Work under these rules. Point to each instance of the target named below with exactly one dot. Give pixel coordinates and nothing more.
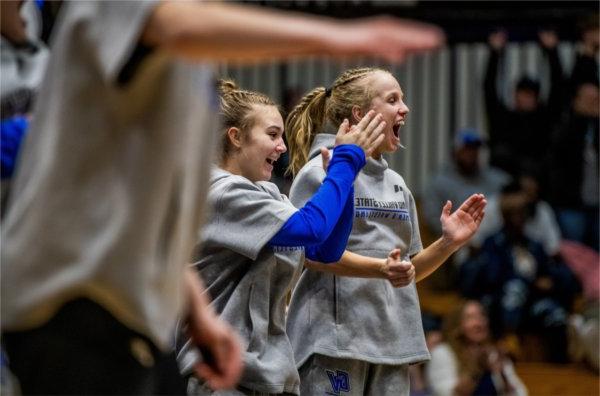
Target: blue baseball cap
(467, 138)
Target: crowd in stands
(533, 266)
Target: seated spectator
(540, 226)
(466, 176)
(584, 327)
(456, 182)
(514, 278)
(468, 362)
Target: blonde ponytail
(307, 119)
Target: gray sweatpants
(324, 375)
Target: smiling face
(262, 145)
(474, 323)
(388, 100)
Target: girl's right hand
(366, 134)
(398, 273)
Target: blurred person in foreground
(468, 362)
(112, 182)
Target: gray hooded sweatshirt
(249, 280)
(357, 318)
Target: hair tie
(327, 92)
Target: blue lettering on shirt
(376, 213)
(283, 249)
(340, 381)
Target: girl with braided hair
(351, 331)
(255, 240)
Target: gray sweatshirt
(249, 280)
(355, 318)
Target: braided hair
(307, 118)
(236, 110)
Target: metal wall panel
(443, 91)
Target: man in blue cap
(457, 181)
(464, 177)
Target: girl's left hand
(460, 226)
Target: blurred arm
(231, 32)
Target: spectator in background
(512, 276)
(520, 136)
(540, 226)
(585, 68)
(464, 177)
(23, 62)
(584, 326)
(468, 362)
(456, 182)
(24, 57)
(574, 167)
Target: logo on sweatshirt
(398, 188)
(340, 381)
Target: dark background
(463, 21)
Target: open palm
(460, 226)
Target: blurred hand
(494, 360)
(366, 134)
(548, 39)
(221, 366)
(390, 38)
(399, 273)
(460, 226)
(497, 40)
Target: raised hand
(399, 273)
(366, 134)
(460, 226)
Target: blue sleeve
(13, 131)
(314, 222)
(332, 249)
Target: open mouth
(271, 161)
(396, 129)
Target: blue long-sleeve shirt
(324, 223)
